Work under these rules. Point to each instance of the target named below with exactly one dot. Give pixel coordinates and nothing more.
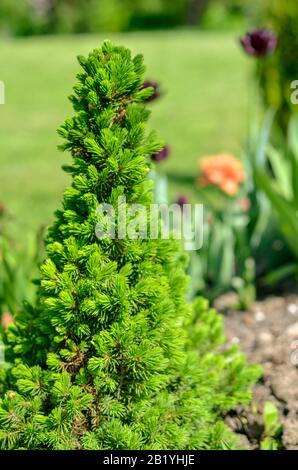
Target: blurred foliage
(18, 263)
(271, 439)
(250, 239)
(224, 262)
(277, 177)
(277, 72)
(267, 242)
(226, 14)
(29, 17)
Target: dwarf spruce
(111, 356)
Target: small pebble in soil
(292, 331)
(259, 316)
(265, 338)
(292, 309)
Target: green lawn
(204, 109)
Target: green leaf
(281, 273)
(281, 171)
(271, 419)
(286, 210)
(269, 444)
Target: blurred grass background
(203, 110)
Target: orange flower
(6, 319)
(222, 170)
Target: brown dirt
(268, 334)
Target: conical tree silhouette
(111, 355)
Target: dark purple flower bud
(155, 86)
(259, 43)
(182, 200)
(161, 155)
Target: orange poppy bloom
(222, 170)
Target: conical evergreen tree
(112, 356)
